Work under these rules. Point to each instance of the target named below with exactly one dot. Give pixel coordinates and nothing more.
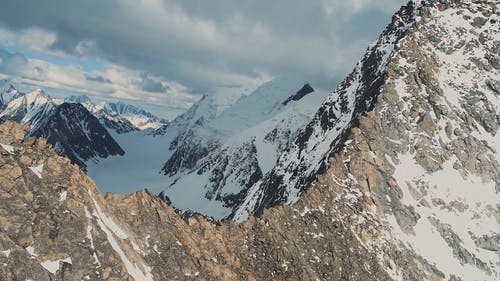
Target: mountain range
(206, 159)
(394, 175)
(76, 127)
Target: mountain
(206, 159)
(8, 94)
(121, 117)
(76, 133)
(411, 135)
(70, 128)
(56, 225)
(30, 109)
(215, 162)
(147, 151)
(82, 99)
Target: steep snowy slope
(193, 139)
(237, 147)
(212, 153)
(147, 151)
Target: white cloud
(35, 39)
(114, 82)
(179, 46)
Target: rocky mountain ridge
(56, 225)
(426, 158)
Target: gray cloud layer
(202, 44)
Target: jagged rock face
(424, 157)
(306, 89)
(51, 218)
(76, 133)
(57, 226)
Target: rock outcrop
(55, 225)
(413, 131)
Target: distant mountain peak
(40, 91)
(76, 133)
(7, 95)
(68, 126)
(77, 99)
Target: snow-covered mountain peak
(70, 127)
(30, 109)
(223, 97)
(8, 94)
(123, 113)
(219, 156)
(120, 116)
(76, 133)
(11, 88)
(37, 97)
(266, 101)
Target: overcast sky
(164, 54)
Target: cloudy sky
(164, 54)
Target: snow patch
(449, 187)
(110, 229)
(63, 195)
(108, 222)
(53, 266)
(31, 251)
(10, 149)
(37, 170)
(6, 253)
